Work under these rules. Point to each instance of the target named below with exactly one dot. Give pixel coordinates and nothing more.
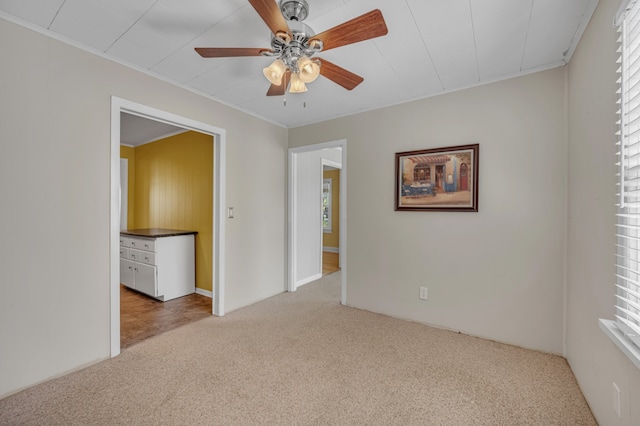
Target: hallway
(330, 263)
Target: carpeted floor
(303, 359)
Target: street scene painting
(444, 179)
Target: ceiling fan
(294, 45)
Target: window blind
(627, 275)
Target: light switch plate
(424, 293)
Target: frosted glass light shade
(275, 71)
(309, 70)
(297, 85)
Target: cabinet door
(127, 273)
(146, 279)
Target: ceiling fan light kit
(275, 71)
(309, 69)
(293, 51)
(297, 85)
(294, 43)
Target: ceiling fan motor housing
(294, 10)
(290, 50)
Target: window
(627, 250)
(326, 205)
(422, 173)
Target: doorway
(331, 172)
(464, 177)
(305, 229)
(439, 177)
(119, 106)
(170, 188)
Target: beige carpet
(303, 359)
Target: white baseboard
(308, 280)
(204, 292)
(331, 249)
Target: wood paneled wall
(174, 189)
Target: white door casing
(119, 105)
(124, 192)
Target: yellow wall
(174, 189)
(129, 153)
(333, 239)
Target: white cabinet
(162, 267)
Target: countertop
(156, 232)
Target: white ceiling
(136, 131)
(433, 46)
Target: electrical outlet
(424, 293)
(616, 399)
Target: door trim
(124, 192)
(119, 105)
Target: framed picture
(444, 179)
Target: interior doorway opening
(331, 174)
(170, 190)
(305, 212)
(119, 106)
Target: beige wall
(498, 273)
(596, 362)
(54, 180)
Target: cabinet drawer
(147, 257)
(148, 245)
(142, 244)
(124, 253)
(124, 241)
(134, 255)
(133, 243)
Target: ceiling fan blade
(228, 52)
(279, 90)
(364, 27)
(339, 75)
(271, 15)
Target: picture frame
(438, 179)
